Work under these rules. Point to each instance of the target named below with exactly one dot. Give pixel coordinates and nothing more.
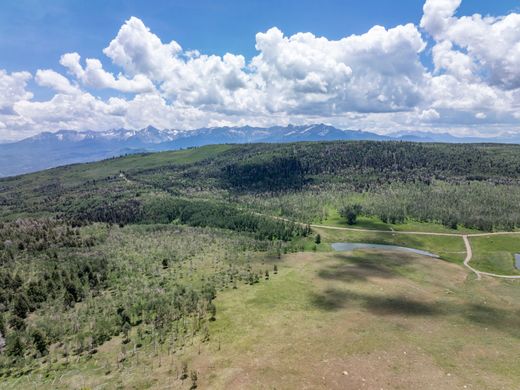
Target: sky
(377, 65)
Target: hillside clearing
(326, 314)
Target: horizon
(441, 67)
(395, 134)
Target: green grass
(75, 174)
(364, 222)
(322, 314)
(448, 248)
(495, 253)
(31, 192)
(327, 313)
(308, 244)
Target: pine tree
(194, 378)
(184, 371)
(15, 346)
(212, 311)
(39, 341)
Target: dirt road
(467, 244)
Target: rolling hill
(213, 267)
(51, 149)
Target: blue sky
(211, 26)
(410, 76)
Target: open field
(492, 253)
(367, 319)
(364, 222)
(450, 248)
(358, 321)
(495, 253)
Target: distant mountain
(63, 147)
(412, 136)
(276, 134)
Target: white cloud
(438, 15)
(56, 81)
(137, 50)
(375, 81)
(378, 71)
(93, 75)
(453, 62)
(12, 89)
(429, 115)
(493, 43)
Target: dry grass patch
(364, 320)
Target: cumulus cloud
(12, 89)
(378, 71)
(137, 50)
(54, 80)
(453, 62)
(438, 15)
(476, 62)
(488, 46)
(429, 115)
(376, 81)
(93, 75)
(187, 77)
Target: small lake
(517, 260)
(350, 246)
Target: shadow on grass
(369, 223)
(506, 321)
(331, 299)
(494, 317)
(353, 272)
(351, 268)
(335, 299)
(398, 305)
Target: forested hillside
(138, 247)
(470, 185)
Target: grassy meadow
(374, 319)
(495, 253)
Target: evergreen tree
(194, 378)
(14, 346)
(350, 213)
(39, 341)
(184, 370)
(212, 311)
(21, 305)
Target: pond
(350, 246)
(517, 260)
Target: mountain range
(51, 149)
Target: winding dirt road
(469, 255)
(465, 238)
(469, 252)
